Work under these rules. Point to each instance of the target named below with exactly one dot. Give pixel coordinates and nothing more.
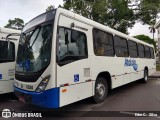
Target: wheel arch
(146, 68)
(107, 76)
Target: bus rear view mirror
(12, 34)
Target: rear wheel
(101, 90)
(145, 78)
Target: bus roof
(5, 31)
(8, 30)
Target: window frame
(151, 48)
(14, 54)
(126, 44)
(103, 43)
(149, 52)
(132, 49)
(57, 46)
(143, 49)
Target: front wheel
(101, 90)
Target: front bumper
(47, 99)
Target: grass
(158, 67)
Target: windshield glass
(34, 50)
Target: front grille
(27, 78)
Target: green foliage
(113, 13)
(118, 14)
(88, 8)
(158, 67)
(17, 23)
(147, 11)
(146, 39)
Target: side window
(103, 43)
(152, 53)
(72, 46)
(120, 46)
(147, 52)
(5, 55)
(141, 51)
(132, 49)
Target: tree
(118, 14)
(17, 23)
(113, 13)
(146, 39)
(146, 11)
(152, 30)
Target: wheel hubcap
(100, 90)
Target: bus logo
(76, 77)
(131, 63)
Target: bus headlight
(41, 87)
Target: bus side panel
(151, 66)
(6, 86)
(141, 62)
(134, 72)
(73, 93)
(113, 65)
(6, 77)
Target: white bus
(64, 57)
(8, 52)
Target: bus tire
(145, 78)
(101, 90)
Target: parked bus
(64, 57)
(8, 51)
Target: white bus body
(7, 62)
(80, 63)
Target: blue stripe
(47, 99)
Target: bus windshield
(34, 50)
